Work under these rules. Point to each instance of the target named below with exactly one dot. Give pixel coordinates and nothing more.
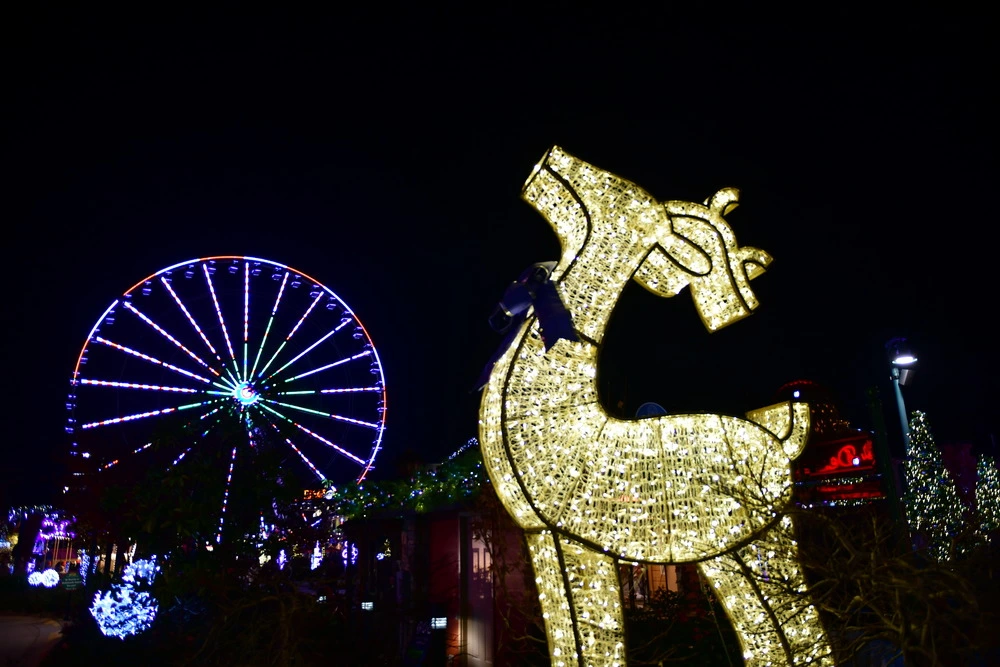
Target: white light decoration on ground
(316, 558)
(125, 610)
(47, 578)
(50, 578)
(122, 611)
(386, 551)
(349, 552)
(590, 489)
(84, 565)
(141, 571)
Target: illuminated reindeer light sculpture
(590, 489)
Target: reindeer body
(589, 488)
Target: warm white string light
(590, 489)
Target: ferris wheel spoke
(232, 378)
(290, 334)
(225, 497)
(166, 335)
(328, 415)
(115, 462)
(211, 425)
(309, 464)
(359, 355)
(181, 457)
(153, 360)
(146, 415)
(218, 311)
(326, 442)
(348, 390)
(209, 414)
(267, 329)
(310, 349)
(318, 437)
(375, 389)
(112, 464)
(246, 316)
(230, 386)
(133, 385)
(190, 318)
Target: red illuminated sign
(839, 470)
(849, 458)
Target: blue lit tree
(933, 507)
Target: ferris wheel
(235, 344)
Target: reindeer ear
(755, 261)
(724, 201)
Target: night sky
(383, 152)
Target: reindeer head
(698, 248)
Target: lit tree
(933, 507)
(987, 494)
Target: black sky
(383, 153)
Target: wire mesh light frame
(591, 490)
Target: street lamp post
(902, 361)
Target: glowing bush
(124, 610)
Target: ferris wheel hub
(245, 394)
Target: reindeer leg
(581, 601)
(763, 591)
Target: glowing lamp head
(246, 394)
(900, 353)
(902, 359)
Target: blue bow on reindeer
(532, 289)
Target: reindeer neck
(595, 281)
